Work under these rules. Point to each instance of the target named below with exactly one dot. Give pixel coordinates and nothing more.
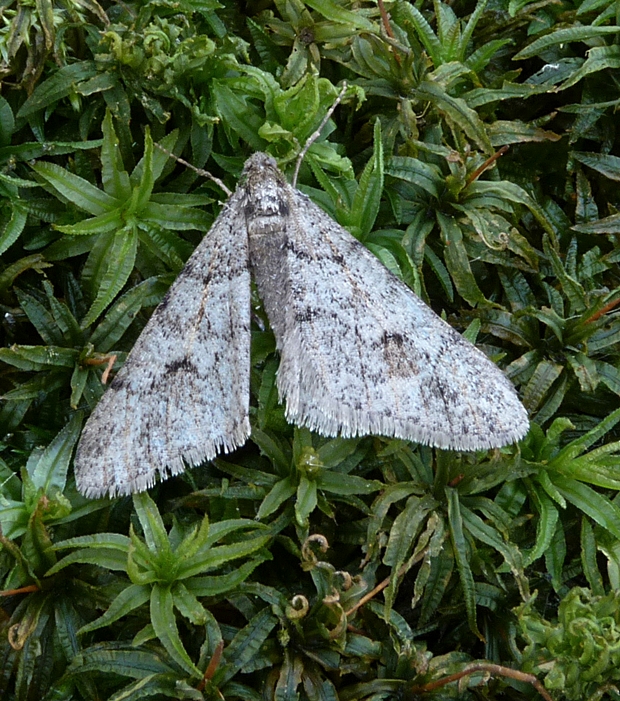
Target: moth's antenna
(200, 171)
(313, 137)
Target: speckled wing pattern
(360, 352)
(182, 395)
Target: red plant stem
(489, 162)
(213, 665)
(385, 19)
(485, 667)
(21, 590)
(604, 310)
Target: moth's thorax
(266, 201)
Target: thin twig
(495, 669)
(489, 162)
(22, 590)
(106, 372)
(199, 171)
(371, 594)
(601, 312)
(385, 19)
(313, 137)
(382, 585)
(109, 359)
(390, 37)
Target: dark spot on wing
(399, 354)
(446, 393)
(290, 245)
(391, 338)
(302, 254)
(307, 314)
(183, 365)
(118, 383)
(197, 270)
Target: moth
(360, 353)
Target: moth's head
(259, 167)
